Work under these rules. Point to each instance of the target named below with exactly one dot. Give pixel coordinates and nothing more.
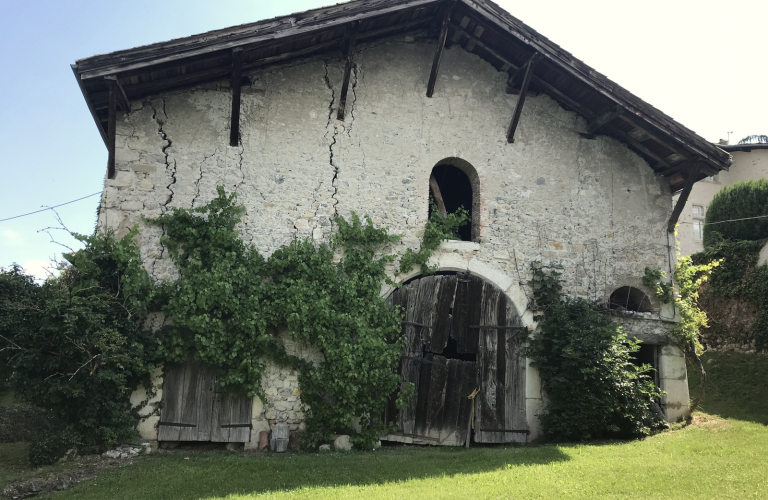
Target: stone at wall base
(324, 448)
(341, 443)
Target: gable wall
(591, 205)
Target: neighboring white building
(750, 162)
(556, 162)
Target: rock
(377, 445)
(324, 448)
(341, 443)
(111, 454)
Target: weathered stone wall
(592, 206)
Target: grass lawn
(714, 458)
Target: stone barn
(376, 107)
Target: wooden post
(521, 98)
(683, 198)
(439, 48)
(347, 52)
(237, 75)
(111, 126)
(122, 97)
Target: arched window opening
(629, 298)
(453, 184)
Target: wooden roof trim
(496, 15)
(151, 55)
(90, 105)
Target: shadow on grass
(737, 387)
(200, 476)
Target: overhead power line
(49, 208)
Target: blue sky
(699, 61)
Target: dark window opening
(648, 355)
(629, 298)
(456, 191)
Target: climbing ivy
(438, 228)
(593, 389)
(229, 302)
(689, 278)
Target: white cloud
(40, 269)
(12, 237)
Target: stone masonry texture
(592, 206)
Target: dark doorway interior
(457, 192)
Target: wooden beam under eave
(677, 168)
(122, 97)
(521, 99)
(683, 199)
(111, 129)
(439, 49)
(348, 51)
(237, 77)
(596, 124)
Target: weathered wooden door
(449, 352)
(194, 409)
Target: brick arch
(474, 182)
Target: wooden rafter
(111, 129)
(237, 79)
(521, 98)
(681, 201)
(677, 168)
(439, 49)
(348, 51)
(607, 117)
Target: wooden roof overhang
(479, 26)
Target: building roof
(743, 147)
(479, 26)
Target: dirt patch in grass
(709, 422)
(77, 470)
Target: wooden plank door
(500, 404)
(187, 402)
(439, 412)
(231, 419)
(193, 410)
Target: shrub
(75, 345)
(593, 389)
(743, 200)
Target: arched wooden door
(461, 333)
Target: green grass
(737, 387)
(722, 459)
(713, 458)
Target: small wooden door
(448, 353)
(194, 409)
(500, 404)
